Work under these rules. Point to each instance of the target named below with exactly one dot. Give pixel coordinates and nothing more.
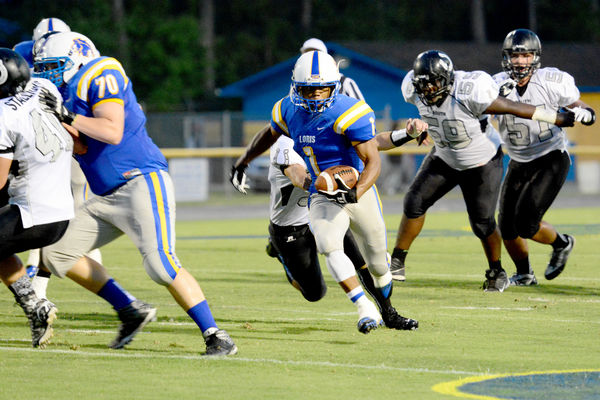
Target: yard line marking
(327, 364)
(490, 308)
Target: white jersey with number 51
(455, 125)
(524, 139)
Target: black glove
(237, 177)
(343, 195)
(50, 103)
(565, 118)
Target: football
(326, 182)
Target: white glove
(583, 115)
(506, 86)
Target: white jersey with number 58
(526, 140)
(35, 139)
(455, 125)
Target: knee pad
(339, 265)
(527, 228)
(413, 205)
(315, 293)
(483, 228)
(57, 262)
(159, 272)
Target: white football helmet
(315, 68)
(49, 25)
(61, 55)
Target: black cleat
(559, 258)
(220, 344)
(393, 320)
(133, 318)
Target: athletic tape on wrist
(541, 114)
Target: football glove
(586, 116)
(238, 178)
(343, 194)
(506, 86)
(50, 103)
(565, 118)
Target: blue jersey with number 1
(108, 166)
(326, 139)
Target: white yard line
(326, 364)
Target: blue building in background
(379, 82)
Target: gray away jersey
(288, 203)
(524, 139)
(41, 187)
(454, 126)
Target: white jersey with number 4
(455, 125)
(41, 187)
(526, 140)
(288, 202)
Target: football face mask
(314, 72)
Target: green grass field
(292, 349)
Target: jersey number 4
(50, 136)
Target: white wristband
(398, 136)
(541, 114)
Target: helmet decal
(81, 47)
(315, 65)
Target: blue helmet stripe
(50, 27)
(315, 64)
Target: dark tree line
(177, 52)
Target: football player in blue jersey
(331, 129)
(134, 192)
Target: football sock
(356, 295)
(115, 295)
(523, 266)
(202, 316)
(400, 254)
(560, 242)
(495, 264)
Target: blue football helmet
(315, 69)
(58, 57)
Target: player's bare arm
(298, 175)
(260, 143)
(415, 129)
(504, 106)
(106, 125)
(369, 154)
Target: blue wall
(379, 82)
